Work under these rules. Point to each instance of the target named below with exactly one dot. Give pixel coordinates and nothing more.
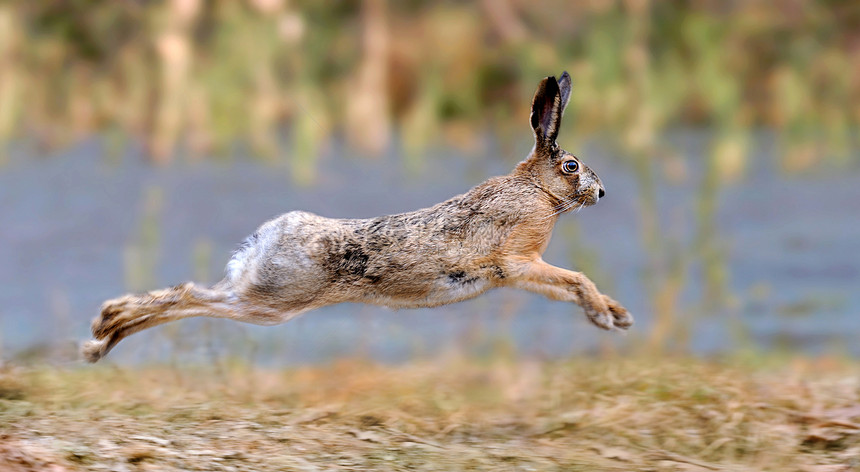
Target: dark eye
(570, 167)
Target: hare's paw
(609, 314)
(94, 350)
(621, 318)
(602, 318)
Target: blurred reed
(142, 254)
(201, 76)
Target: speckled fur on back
(491, 236)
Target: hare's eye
(570, 167)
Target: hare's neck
(546, 194)
(527, 170)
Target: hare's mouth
(576, 203)
(589, 198)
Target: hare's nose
(601, 193)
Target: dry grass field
(584, 414)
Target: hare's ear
(564, 89)
(547, 107)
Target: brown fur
(491, 236)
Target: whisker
(563, 207)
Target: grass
(583, 414)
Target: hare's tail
(126, 315)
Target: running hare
(491, 236)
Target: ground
(586, 414)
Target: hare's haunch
(491, 236)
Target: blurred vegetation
(606, 414)
(195, 76)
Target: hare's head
(560, 173)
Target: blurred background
(141, 141)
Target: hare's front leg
(566, 285)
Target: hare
(491, 236)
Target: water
(791, 245)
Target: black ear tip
(551, 85)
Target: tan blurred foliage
(201, 76)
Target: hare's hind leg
(566, 285)
(129, 314)
(126, 315)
